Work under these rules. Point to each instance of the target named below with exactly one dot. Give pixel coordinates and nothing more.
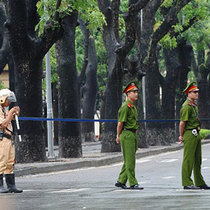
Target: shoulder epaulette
(130, 105)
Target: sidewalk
(92, 157)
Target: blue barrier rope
(90, 120)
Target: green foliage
(1, 85)
(80, 49)
(124, 5)
(198, 33)
(46, 11)
(191, 76)
(167, 3)
(102, 62)
(161, 62)
(102, 77)
(88, 11)
(168, 42)
(204, 133)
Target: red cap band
(129, 88)
(191, 88)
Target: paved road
(93, 188)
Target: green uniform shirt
(189, 114)
(128, 115)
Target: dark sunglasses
(195, 91)
(134, 91)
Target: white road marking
(30, 190)
(126, 190)
(188, 190)
(143, 160)
(205, 167)
(140, 183)
(204, 159)
(168, 177)
(168, 160)
(70, 190)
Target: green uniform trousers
(129, 145)
(192, 160)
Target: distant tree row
(96, 47)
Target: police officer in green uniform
(189, 128)
(127, 136)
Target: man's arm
(119, 130)
(182, 125)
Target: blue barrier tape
(90, 120)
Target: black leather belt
(7, 136)
(130, 129)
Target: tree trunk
(68, 91)
(153, 135)
(208, 89)
(28, 51)
(152, 73)
(116, 55)
(185, 56)
(90, 88)
(28, 70)
(89, 99)
(203, 89)
(33, 145)
(169, 93)
(203, 99)
(112, 103)
(150, 62)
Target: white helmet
(6, 94)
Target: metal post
(143, 79)
(49, 108)
(144, 97)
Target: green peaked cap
(189, 85)
(129, 84)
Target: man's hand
(180, 139)
(15, 110)
(118, 139)
(182, 125)
(119, 130)
(11, 116)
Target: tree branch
(56, 16)
(136, 7)
(130, 24)
(167, 24)
(16, 24)
(170, 20)
(4, 51)
(185, 28)
(115, 5)
(52, 32)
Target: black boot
(2, 189)
(10, 180)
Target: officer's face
(193, 94)
(133, 94)
(7, 103)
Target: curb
(47, 167)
